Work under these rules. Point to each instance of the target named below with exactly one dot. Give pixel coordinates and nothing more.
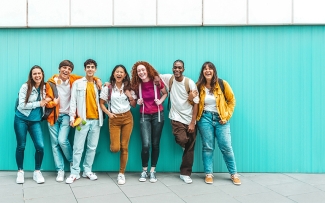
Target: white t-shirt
(181, 110)
(209, 101)
(64, 92)
(119, 102)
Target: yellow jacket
(225, 106)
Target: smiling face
(178, 69)
(142, 73)
(64, 72)
(208, 73)
(90, 70)
(37, 76)
(119, 75)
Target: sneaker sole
(184, 180)
(142, 180)
(20, 182)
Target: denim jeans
(34, 128)
(150, 130)
(59, 133)
(89, 131)
(210, 129)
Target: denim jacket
(32, 100)
(78, 101)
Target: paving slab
(265, 197)
(158, 198)
(313, 197)
(288, 189)
(67, 198)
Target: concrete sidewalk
(256, 187)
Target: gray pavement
(256, 187)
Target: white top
(119, 102)
(64, 92)
(181, 110)
(209, 101)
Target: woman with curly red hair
(150, 97)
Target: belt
(212, 112)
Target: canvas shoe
(208, 178)
(90, 175)
(143, 176)
(60, 176)
(153, 178)
(235, 179)
(186, 179)
(20, 177)
(72, 178)
(38, 177)
(121, 179)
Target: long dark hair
(31, 83)
(202, 81)
(126, 80)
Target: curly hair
(202, 81)
(136, 80)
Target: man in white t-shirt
(183, 116)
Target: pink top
(148, 96)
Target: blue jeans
(59, 133)
(150, 130)
(34, 128)
(90, 131)
(210, 128)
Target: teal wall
(276, 73)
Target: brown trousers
(120, 129)
(187, 141)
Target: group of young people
(81, 101)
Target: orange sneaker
(235, 179)
(208, 178)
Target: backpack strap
(222, 87)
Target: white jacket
(78, 100)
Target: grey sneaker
(186, 179)
(153, 178)
(143, 176)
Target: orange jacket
(50, 94)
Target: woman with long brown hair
(150, 98)
(28, 117)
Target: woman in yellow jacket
(215, 110)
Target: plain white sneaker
(121, 179)
(186, 179)
(20, 177)
(90, 175)
(60, 177)
(38, 177)
(72, 178)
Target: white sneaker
(38, 177)
(72, 178)
(60, 177)
(90, 175)
(186, 179)
(121, 179)
(20, 177)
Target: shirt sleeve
(104, 93)
(194, 87)
(165, 79)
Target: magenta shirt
(148, 96)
